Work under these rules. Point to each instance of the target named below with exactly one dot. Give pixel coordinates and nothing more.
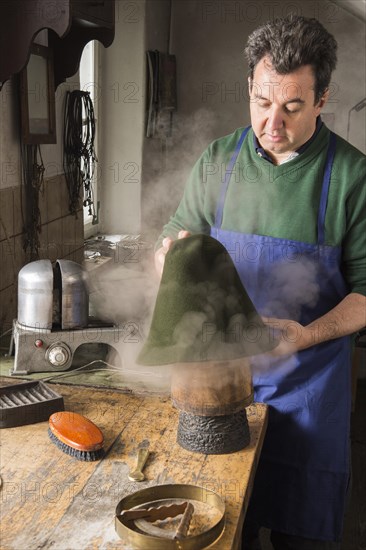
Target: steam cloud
(124, 295)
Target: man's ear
(323, 100)
(250, 84)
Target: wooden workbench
(52, 501)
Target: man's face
(282, 108)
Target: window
(89, 70)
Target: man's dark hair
(291, 42)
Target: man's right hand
(162, 251)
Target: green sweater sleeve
(346, 213)
(354, 243)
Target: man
(289, 207)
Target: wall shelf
(72, 24)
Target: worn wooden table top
(52, 501)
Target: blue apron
(301, 481)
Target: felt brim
(202, 311)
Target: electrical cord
(6, 332)
(10, 250)
(79, 152)
(110, 368)
(33, 179)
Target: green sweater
(281, 201)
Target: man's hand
(161, 253)
(346, 318)
(292, 336)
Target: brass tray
(159, 495)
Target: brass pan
(126, 529)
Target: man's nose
(275, 119)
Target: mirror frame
(27, 136)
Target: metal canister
(35, 294)
(74, 294)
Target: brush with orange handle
(76, 436)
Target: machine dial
(58, 354)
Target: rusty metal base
(213, 435)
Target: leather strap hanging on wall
(161, 94)
(79, 152)
(33, 172)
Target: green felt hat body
(202, 311)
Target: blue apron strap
(325, 188)
(221, 202)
